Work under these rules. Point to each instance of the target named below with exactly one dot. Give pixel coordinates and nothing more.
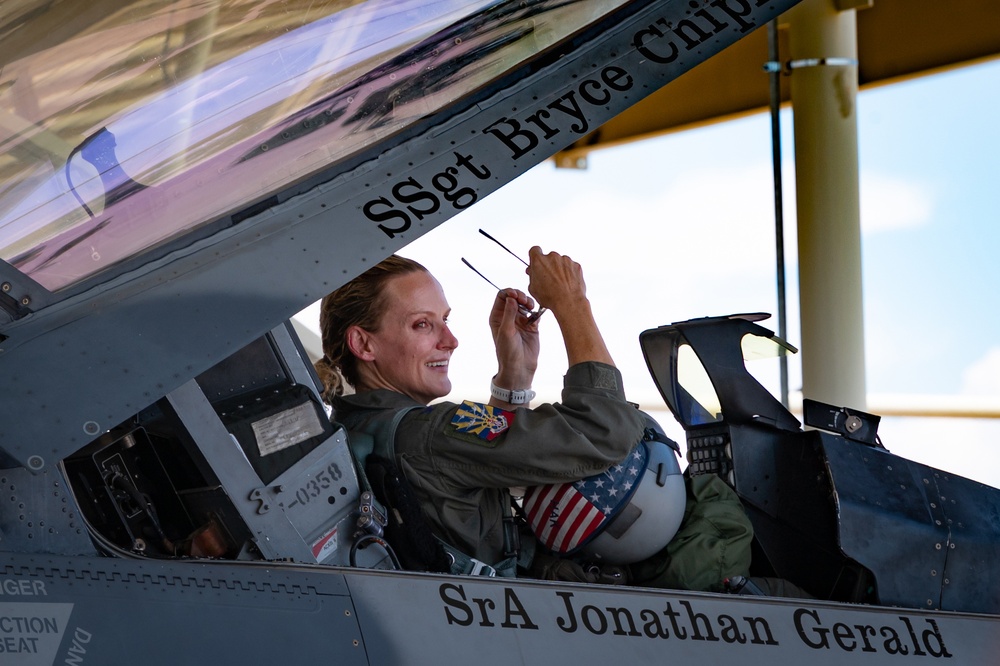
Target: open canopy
(178, 178)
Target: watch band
(516, 397)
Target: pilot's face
(411, 351)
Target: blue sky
(940, 136)
(682, 226)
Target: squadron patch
(480, 423)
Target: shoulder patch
(479, 423)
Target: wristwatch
(516, 397)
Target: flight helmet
(620, 516)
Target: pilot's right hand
(515, 339)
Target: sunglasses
(532, 316)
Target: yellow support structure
(824, 86)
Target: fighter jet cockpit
(178, 178)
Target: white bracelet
(517, 397)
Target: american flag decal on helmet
(566, 516)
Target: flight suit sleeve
(593, 427)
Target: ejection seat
(833, 511)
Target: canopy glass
(137, 123)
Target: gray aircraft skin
(179, 178)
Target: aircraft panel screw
(5, 286)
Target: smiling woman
(386, 334)
(409, 351)
(359, 305)
(388, 330)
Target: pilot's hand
(515, 338)
(556, 280)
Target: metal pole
(779, 217)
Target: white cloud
(717, 221)
(983, 376)
(889, 203)
(950, 444)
